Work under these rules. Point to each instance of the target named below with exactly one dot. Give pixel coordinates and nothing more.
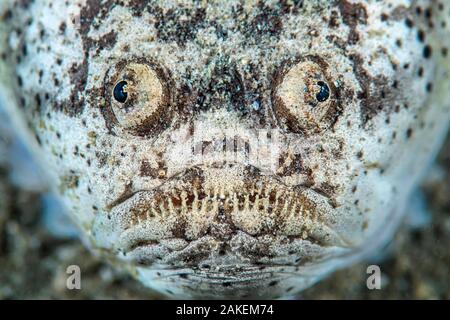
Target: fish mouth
(204, 208)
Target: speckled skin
(294, 187)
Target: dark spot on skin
(328, 191)
(352, 15)
(38, 101)
(420, 72)
(24, 50)
(106, 41)
(409, 23)
(427, 52)
(171, 28)
(375, 94)
(62, 28)
(78, 73)
(294, 167)
(7, 15)
(428, 13)
(421, 35)
(333, 20)
(102, 158)
(395, 84)
(409, 133)
(78, 76)
(268, 21)
(38, 139)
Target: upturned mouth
(217, 203)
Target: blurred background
(33, 262)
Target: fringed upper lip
(184, 208)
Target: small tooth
(285, 207)
(235, 203)
(132, 221)
(266, 204)
(307, 214)
(154, 211)
(247, 202)
(294, 206)
(175, 194)
(215, 194)
(138, 220)
(280, 203)
(256, 203)
(170, 205)
(222, 193)
(268, 190)
(215, 207)
(261, 190)
(304, 235)
(163, 210)
(277, 196)
(203, 209)
(183, 197)
(196, 202)
(316, 216)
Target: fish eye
(120, 93)
(303, 97)
(138, 97)
(324, 92)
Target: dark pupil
(324, 92)
(119, 94)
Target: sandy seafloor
(33, 263)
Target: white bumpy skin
(231, 149)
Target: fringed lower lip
(255, 253)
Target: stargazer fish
(229, 149)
